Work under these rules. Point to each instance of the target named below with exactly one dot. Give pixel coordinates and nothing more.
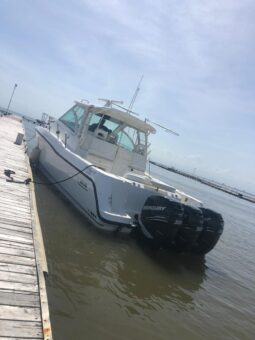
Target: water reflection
(137, 279)
(151, 279)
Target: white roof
(121, 116)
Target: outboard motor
(160, 220)
(167, 223)
(212, 230)
(190, 229)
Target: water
(103, 287)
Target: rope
(8, 173)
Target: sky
(197, 58)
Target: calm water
(103, 287)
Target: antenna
(134, 96)
(110, 102)
(163, 127)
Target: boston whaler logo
(153, 207)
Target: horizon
(196, 58)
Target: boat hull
(118, 205)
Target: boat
(96, 156)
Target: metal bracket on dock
(9, 172)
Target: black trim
(89, 178)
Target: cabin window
(124, 141)
(127, 137)
(118, 133)
(110, 124)
(69, 119)
(73, 117)
(79, 113)
(103, 122)
(132, 140)
(94, 121)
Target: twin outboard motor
(170, 224)
(161, 219)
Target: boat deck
(24, 312)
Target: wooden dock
(24, 312)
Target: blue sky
(197, 58)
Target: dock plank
(15, 233)
(17, 239)
(17, 252)
(15, 245)
(16, 268)
(17, 277)
(14, 328)
(14, 200)
(19, 217)
(10, 207)
(19, 286)
(21, 299)
(13, 222)
(26, 261)
(19, 313)
(27, 230)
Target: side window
(125, 141)
(132, 134)
(132, 140)
(72, 118)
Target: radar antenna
(110, 102)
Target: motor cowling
(190, 229)
(212, 229)
(169, 224)
(160, 219)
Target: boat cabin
(114, 140)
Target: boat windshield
(117, 132)
(72, 118)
